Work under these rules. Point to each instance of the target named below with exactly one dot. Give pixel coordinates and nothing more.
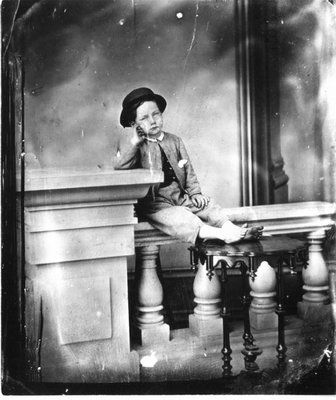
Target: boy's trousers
(176, 215)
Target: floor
(193, 365)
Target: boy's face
(149, 118)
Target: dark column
(263, 178)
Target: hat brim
(125, 113)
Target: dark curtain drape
(12, 145)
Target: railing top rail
(286, 218)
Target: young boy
(176, 206)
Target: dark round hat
(137, 96)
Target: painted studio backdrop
(81, 58)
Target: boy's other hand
(200, 201)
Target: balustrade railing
(312, 220)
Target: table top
(267, 245)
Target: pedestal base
(263, 321)
(205, 327)
(153, 335)
(311, 312)
(78, 365)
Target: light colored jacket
(148, 155)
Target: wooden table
(280, 252)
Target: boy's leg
(217, 225)
(189, 223)
(181, 223)
(212, 214)
(215, 216)
(178, 222)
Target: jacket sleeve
(192, 185)
(128, 158)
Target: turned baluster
(263, 292)
(207, 290)
(315, 281)
(149, 307)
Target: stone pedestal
(79, 231)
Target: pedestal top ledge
(60, 185)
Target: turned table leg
(280, 311)
(226, 351)
(251, 351)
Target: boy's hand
(200, 201)
(138, 135)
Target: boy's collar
(158, 139)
